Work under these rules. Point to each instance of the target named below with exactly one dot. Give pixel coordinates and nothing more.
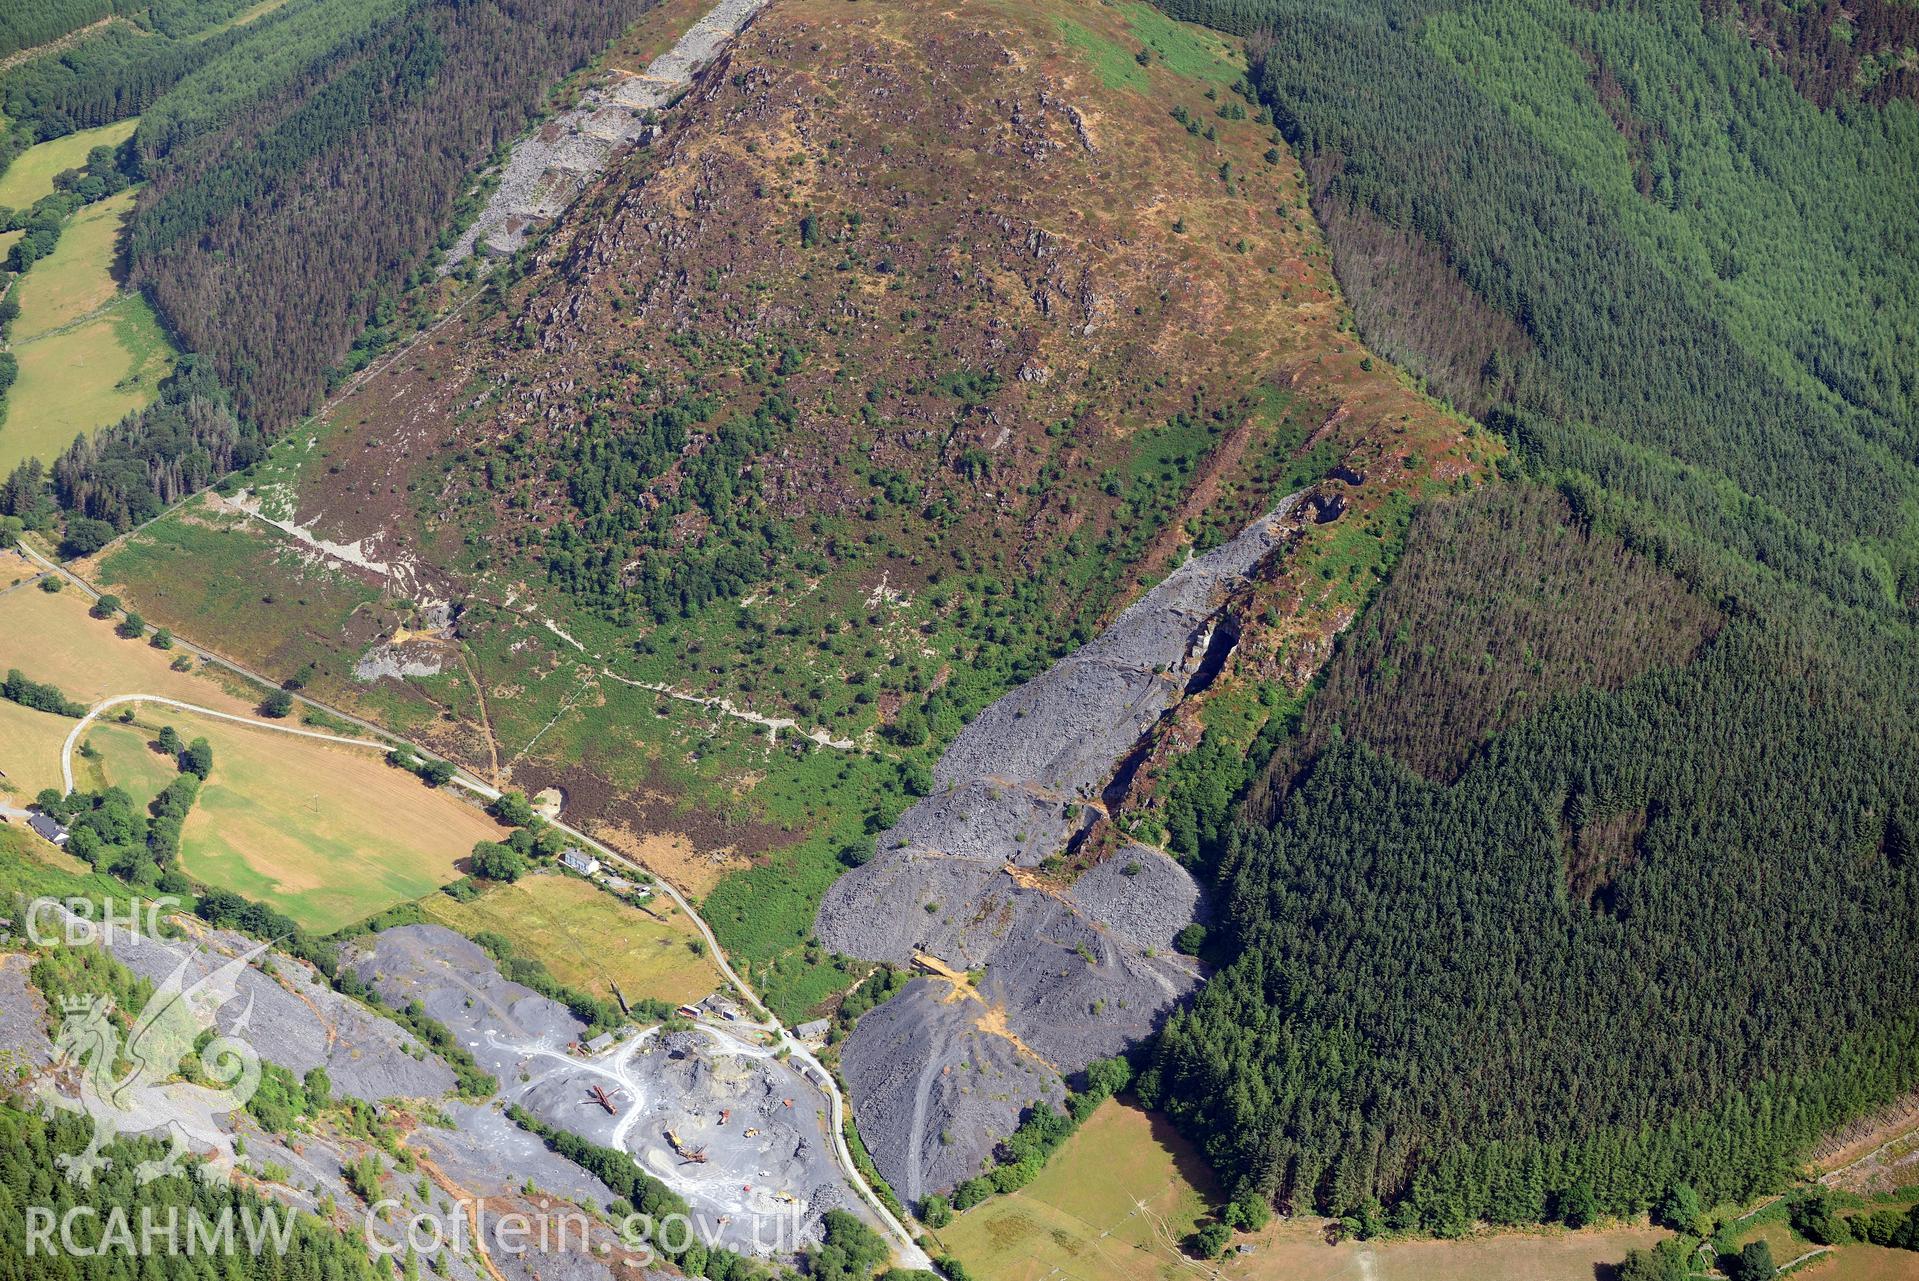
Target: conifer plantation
(1589, 870)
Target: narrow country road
(206, 655)
(910, 1254)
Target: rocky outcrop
(549, 168)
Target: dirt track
(901, 1240)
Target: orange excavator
(688, 1154)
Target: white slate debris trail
(725, 706)
(560, 158)
(1078, 975)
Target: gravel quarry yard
(719, 1116)
(724, 1122)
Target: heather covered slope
(917, 342)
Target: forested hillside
(1654, 936)
(27, 23)
(1586, 178)
(294, 1245)
(1589, 870)
(79, 64)
(254, 236)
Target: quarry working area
(1024, 982)
(718, 1115)
(726, 1123)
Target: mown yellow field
(15, 568)
(30, 177)
(51, 638)
(1298, 1252)
(1117, 1199)
(29, 751)
(587, 938)
(327, 834)
(77, 277)
(1858, 1263)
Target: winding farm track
(910, 1254)
(93, 713)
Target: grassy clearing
(77, 380)
(1186, 50)
(257, 12)
(1118, 1197)
(76, 279)
(1113, 61)
(587, 938)
(30, 177)
(125, 758)
(197, 564)
(763, 914)
(328, 835)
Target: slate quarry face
(1028, 984)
